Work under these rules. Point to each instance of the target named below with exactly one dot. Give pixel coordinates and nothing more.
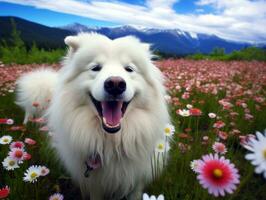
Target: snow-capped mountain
(76, 27)
(170, 41)
(173, 41)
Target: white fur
(36, 87)
(77, 129)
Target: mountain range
(168, 41)
(44, 36)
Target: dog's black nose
(115, 85)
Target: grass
(20, 55)
(249, 53)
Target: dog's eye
(129, 69)
(96, 68)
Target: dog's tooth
(104, 121)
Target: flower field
(217, 143)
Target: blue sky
(239, 20)
(52, 18)
(47, 17)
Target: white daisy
(184, 112)
(10, 121)
(146, 197)
(258, 153)
(169, 130)
(6, 139)
(56, 196)
(162, 146)
(212, 115)
(32, 174)
(189, 106)
(194, 165)
(10, 163)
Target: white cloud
(242, 20)
(246, 18)
(199, 10)
(161, 3)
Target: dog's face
(110, 73)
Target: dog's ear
(72, 42)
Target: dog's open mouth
(111, 113)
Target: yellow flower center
(33, 175)
(160, 146)
(11, 162)
(5, 140)
(264, 153)
(167, 130)
(217, 173)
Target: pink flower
(26, 156)
(217, 175)
(248, 116)
(17, 144)
(226, 104)
(178, 87)
(183, 148)
(219, 124)
(219, 147)
(235, 132)
(4, 192)
(223, 135)
(39, 120)
(44, 170)
(16, 128)
(259, 99)
(185, 95)
(205, 140)
(44, 128)
(244, 105)
(17, 154)
(30, 141)
(245, 140)
(195, 112)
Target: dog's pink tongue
(112, 112)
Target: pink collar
(93, 162)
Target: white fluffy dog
(107, 112)
(35, 87)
